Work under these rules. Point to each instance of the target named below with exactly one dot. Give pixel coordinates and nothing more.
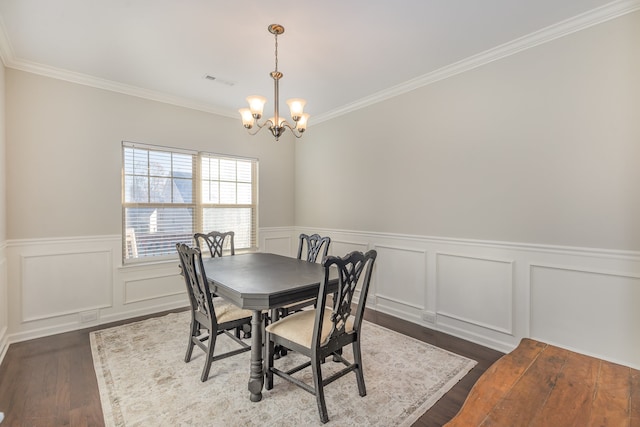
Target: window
(170, 194)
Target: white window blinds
(170, 194)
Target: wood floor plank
(26, 375)
(63, 390)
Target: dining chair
(216, 241)
(208, 320)
(324, 331)
(313, 244)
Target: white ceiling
(337, 54)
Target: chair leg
(357, 358)
(246, 331)
(317, 383)
(193, 335)
(283, 351)
(335, 358)
(209, 356)
(270, 356)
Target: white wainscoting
(279, 241)
(496, 293)
(466, 286)
(57, 285)
(492, 293)
(604, 310)
(399, 281)
(46, 278)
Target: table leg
(256, 377)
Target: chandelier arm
(293, 129)
(258, 127)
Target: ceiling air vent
(219, 80)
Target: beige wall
(64, 155)
(540, 147)
(3, 199)
(4, 300)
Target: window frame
(197, 204)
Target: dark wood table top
(261, 281)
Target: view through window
(169, 194)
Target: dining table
(261, 282)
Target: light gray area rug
(144, 381)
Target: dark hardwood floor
(51, 382)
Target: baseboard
(103, 319)
(4, 344)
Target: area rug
(144, 381)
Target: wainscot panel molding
(46, 278)
(467, 285)
(278, 240)
(403, 268)
(603, 305)
(492, 293)
(63, 284)
(153, 287)
(58, 285)
(496, 293)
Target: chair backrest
(196, 280)
(216, 242)
(314, 244)
(350, 269)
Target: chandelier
(276, 124)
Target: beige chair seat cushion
(228, 312)
(298, 327)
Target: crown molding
(10, 61)
(577, 23)
(588, 19)
(96, 82)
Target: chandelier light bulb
(247, 117)
(296, 106)
(256, 105)
(302, 122)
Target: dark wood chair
(325, 330)
(208, 320)
(314, 244)
(216, 241)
